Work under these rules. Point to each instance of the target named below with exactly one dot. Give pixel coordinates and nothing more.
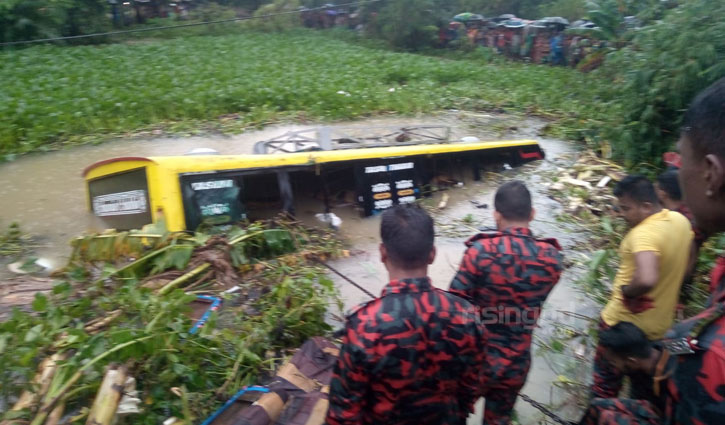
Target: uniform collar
(509, 231)
(408, 286)
(517, 231)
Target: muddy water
(45, 194)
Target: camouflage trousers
(506, 369)
(620, 411)
(608, 379)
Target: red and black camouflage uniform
(621, 411)
(608, 380)
(412, 356)
(508, 274)
(696, 390)
(697, 387)
(647, 405)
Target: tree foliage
(31, 19)
(25, 19)
(277, 23)
(569, 9)
(408, 23)
(666, 65)
(522, 8)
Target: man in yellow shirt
(654, 257)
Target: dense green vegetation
(633, 104)
(134, 314)
(658, 74)
(32, 19)
(62, 94)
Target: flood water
(45, 193)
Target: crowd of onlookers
(534, 41)
(549, 40)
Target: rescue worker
(697, 387)
(654, 257)
(414, 355)
(508, 274)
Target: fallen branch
(61, 392)
(96, 325)
(184, 279)
(29, 399)
(109, 395)
(196, 272)
(56, 415)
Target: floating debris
(588, 193)
(444, 201)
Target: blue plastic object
(229, 402)
(215, 303)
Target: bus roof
(200, 163)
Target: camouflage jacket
(697, 387)
(620, 411)
(509, 274)
(412, 356)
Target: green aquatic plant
(54, 96)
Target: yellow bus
(188, 190)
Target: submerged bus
(371, 173)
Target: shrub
(657, 76)
(406, 24)
(277, 23)
(32, 19)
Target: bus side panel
(166, 197)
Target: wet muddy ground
(45, 194)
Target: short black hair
(513, 200)
(704, 121)
(638, 188)
(626, 339)
(407, 233)
(670, 184)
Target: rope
(368, 293)
(167, 27)
(543, 409)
